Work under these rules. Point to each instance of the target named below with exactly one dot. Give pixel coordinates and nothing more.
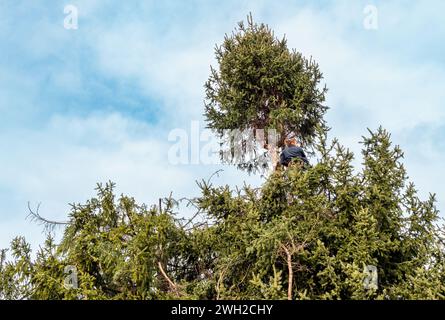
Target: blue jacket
(290, 153)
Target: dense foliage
(305, 234)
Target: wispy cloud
(96, 104)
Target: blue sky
(93, 104)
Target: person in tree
(292, 152)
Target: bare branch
(172, 285)
(216, 173)
(36, 217)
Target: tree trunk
(274, 157)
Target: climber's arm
(304, 157)
(282, 159)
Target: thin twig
(216, 173)
(35, 216)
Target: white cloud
(62, 162)
(369, 87)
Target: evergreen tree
(261, 84)
(305, 234)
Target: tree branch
(36, 217)
(172, 285)
(290, 272)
